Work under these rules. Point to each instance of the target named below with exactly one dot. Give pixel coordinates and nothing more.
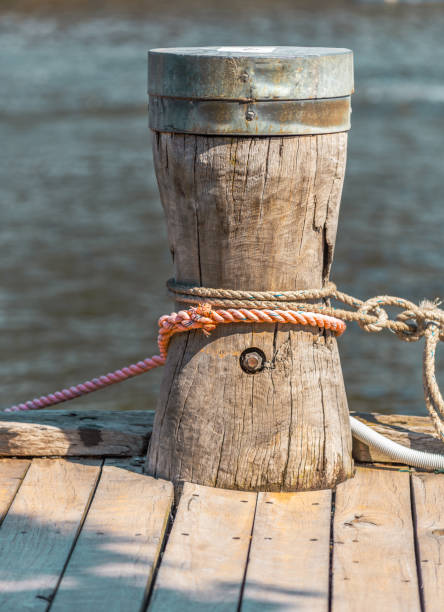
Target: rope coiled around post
(410, 325)
(213, 306)
(200, 317)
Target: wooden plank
(112, 564)
(428, 492)
(290, 553)
(42, 433)
(12, 472)
(204, 562)
(118, 433)
(411, 431)
(374, 566)
(39, 529)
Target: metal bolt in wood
(252, 360)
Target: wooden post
(250, 150)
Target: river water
(83, 252)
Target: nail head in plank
(205, 558)
(12, 472)
(39, 529)
(428, 491)
(113, 561)
(78, 433)
(289, 560)
(374, 566)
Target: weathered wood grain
(39, 530)
(374, 566)
(289, 560)
(126, 433)
(112, 565)
(260, 214)
(12, 472)
(415, 432)
(428, 492)
(204, 561)
(75, 433)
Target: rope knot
(202, 314)
(202, 310)
(373, 318)
(427, 318)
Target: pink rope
(201, 317)
(89, 386)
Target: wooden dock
(85, 530)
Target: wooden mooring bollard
(250, 151)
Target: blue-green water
(83, 254)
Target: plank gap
(166, 537)
(242, 589)
(5, 514)
(39, 529)
(112, 563)
(331, 546)
(374, 543)
(76, 537)
(428, 490)
(289, 560)
(416, 545)
(205, 569)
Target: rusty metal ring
(239, 118)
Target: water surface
(83, 254)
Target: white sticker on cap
(248, 49)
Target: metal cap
(250, 90)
